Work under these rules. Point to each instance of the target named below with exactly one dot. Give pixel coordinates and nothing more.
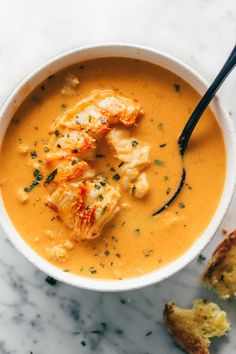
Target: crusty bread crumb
(192, 328)
(220, 273)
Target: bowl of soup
(89, 152)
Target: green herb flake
(159, 163)
(148, 333)
(160, 126)
(168, 190)
(103, 121)
(92, 270)
(133, 190)
(15, 120)
(181, 205)
(34, 183)
(46, 149)
(201, 258)
(33, 154)
(134, 143)
(56, 132)
(116, 177)
(121, 164)
(147, 253)
(83, 343)
(51, 177)
(166, 178)
(36, 173)
(162, 145)
(106, 253)
(100, 155)
(103, 209)
(137, 231)
(177, 87)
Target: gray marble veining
(36, 317)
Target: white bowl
(182, 70)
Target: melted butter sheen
(133, 243)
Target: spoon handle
(206, 99)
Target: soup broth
(133, 242)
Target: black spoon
(195, 116)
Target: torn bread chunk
(192, 328)
(220, 273)
(85, 206)
(134, 158)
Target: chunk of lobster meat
(141, 186)
(120, 109)
(97, 112)
(71, 85)
(135, 159)
(65, 168)
(85, 206)
(72, 142)
(89, 120)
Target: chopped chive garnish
(116, 177)
(133, 190)
(103, 209)
(159, 163)
(51, 177)
(134, 143)
(15, 120)
(100, 155)
(177, 87)
(33, 154)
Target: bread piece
(220, 273)
(192, 328)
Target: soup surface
(133, 242)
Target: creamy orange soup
(133, 242)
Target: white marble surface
(34, 316)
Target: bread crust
(184, 338)
(213, 274)
(192, 329)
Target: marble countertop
(36, 317)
